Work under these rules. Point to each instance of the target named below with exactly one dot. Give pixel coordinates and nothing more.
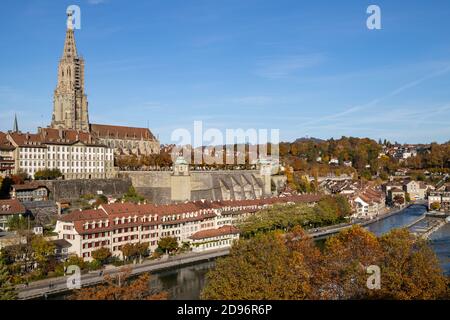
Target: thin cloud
(281, 67)
(96, 2)
(375, 101)
(253, 100)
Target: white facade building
(74, 153)
(113, 225)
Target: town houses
(368, 203)
(114, 225)
(440, 199)
(8, 209)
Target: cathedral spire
(15, 126)
(70, 48)
(70, 105)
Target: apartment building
(440, 197)
(114, 225)
(76, 154)
(368, 203)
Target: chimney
(60, 133)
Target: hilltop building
(76, 154)
(70, 107)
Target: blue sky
(304, 67)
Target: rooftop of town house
(201, 208)
(212, 233)
(11, 206)
(5, 144)
(28, 186)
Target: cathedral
(70, 107)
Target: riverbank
(325, 232)
(60, 285)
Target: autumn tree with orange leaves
(291, 267)
(121, 287)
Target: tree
(261, 268)
(17, 223)
(410, 269)
(101, 199)
(168, 244)
(347, 257)
(20, 177)
(101, 255)
(399, 200)
(75, 261)
(407, 197)
(290, 266)
(121, 287)
(142, 249)
(47, 174)
(7, 290)
(132, 196)
(330, 210)
(128, 251)
(435, 206)
(5, 187)
(43, 250)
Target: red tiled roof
(56, 136)
(201, 209)
(84, 215)
(212, 233)
(5, 144)
(52, 136)
(119, 132)
(28, 186)
(27, 139)
(11, 206)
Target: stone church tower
(70, 106)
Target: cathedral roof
(120, 132)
